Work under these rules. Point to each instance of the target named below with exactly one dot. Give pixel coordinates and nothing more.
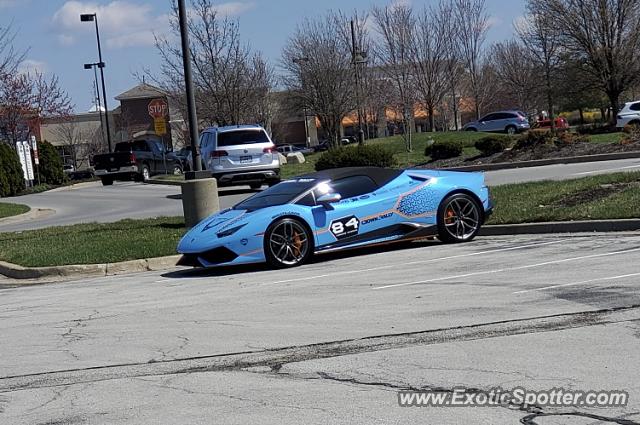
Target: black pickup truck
(137, 160)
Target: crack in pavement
(535, 411)
(275, 358)
(528, 420)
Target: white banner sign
(24, 152)
(34, 146)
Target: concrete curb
(561, 227)
(32, 214)
(74, 186)
(543, 162)
(15, 271)
(165, 182)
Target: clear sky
(59, 43)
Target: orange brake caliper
(297, 243)
(449, 214)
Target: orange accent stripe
(247, 254)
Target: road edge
(542, 162)
(583, 226)
(14, 271)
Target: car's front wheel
(287, 243)
(459, 218)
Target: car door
(486, 122)
(363, 210)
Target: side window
(490, 117)
(308, 200)
(140, 146)
(350, 187)
(508, 116)
(635, 106)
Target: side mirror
(329, 198)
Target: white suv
(629, 115)
(239, 155)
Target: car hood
(222, 220)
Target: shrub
(11, 177)
(444, 150)
(631, 128)
(356, 156)
(493, 144)
(50, 164)
(597, 128)
(568, 138)
(533, 138)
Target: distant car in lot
(286, 149)
(338, 209)
(560, 123)
(510, 122)
(184, 155)
(138, 159)
(68, 168)
(238, 155)
(629, 115)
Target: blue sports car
(337, 209)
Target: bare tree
(70, 133)
(231, 81)
(517, 72)
(317, 62)
(430, 58)
(472, 24)
(605, 34)
(26, 99)
(396, 27)
(10, 58)
(541, 38)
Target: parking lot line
(601, 279)
(390, 266)
(528, 266)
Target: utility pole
(357, 58)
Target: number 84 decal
(345, 227)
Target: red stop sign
(158, 108)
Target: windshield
(280, 194)
(242, 137)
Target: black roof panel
(380, 176)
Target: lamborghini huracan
(339, 209)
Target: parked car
(286, 149)
(560, 123)
(629, 115)
(322, 146)
(138, 159)
(242, 154)
(184, 155)
(68, 168)
(510, 122)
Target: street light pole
(191, 100)
(89, 17)
(99, 106)
(356, 60)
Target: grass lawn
(606, 138)
(8, 210)
(597, 197)
(93, 243)
(606, 196)
(396, 145)
(172, 177)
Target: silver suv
(629, 115)
(511, 122)
(239, 155)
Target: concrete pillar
(199, 200)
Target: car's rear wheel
(287, 243)
(471, 129)
(255, 186)
(107, 181)
(511, 130)
(459, 218)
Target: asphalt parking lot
(332, 341)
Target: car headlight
(229, 232)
